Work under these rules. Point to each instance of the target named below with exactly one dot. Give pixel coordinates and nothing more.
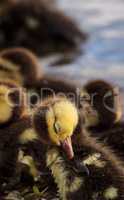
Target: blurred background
(104, 51)
(101, 56)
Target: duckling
(10, 162)
(29, 24)
(14, 123)
(105, 180)
(102, 113)
(49, 125)
(55, 121)
(20, 65)
(22, 164)
(62, 111)
(13, 106)
(104, 98)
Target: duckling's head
(22, 64)
(103, 104)
(55, 122)
(12, 103)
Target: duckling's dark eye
(57, 127)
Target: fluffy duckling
(10, 159)
(20, 65)
(55, 121)
(14, 123)
(101, 111)
(13, 106)
(105, 180)
(103, 104)
(29, 24)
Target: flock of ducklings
(77, 147)
(64, 146)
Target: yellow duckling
(53, 125)
(55, 121)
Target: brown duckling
(10, 160)
(13, 106)
(38, 26)
(104, 99)
(101, 111)
(19, 65)
(14, 122)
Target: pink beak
(67, 147)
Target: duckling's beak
(67, 147)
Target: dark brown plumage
(13, 104)
(113, 136)
(9, 149)
(101, 112)
(38, 26)
(106, 172)
(22, 157)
